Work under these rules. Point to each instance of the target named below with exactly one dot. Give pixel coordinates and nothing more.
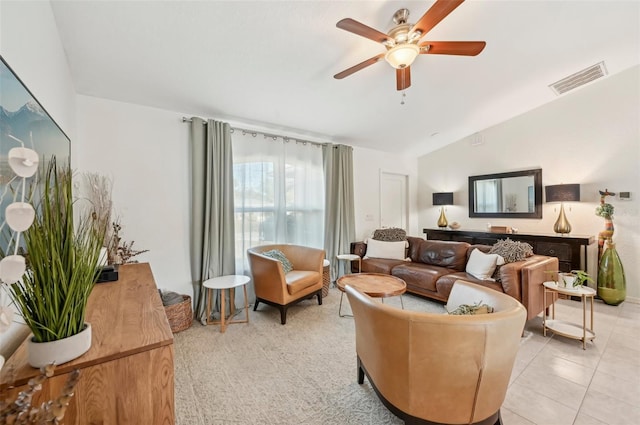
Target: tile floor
(556, 382)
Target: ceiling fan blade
(403, 78)
(435, 14)
(358, 28)
(358, 67)
(463, 48)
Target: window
(278, 193)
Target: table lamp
(562, 193)
(442, 199)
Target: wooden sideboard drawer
(565, 266)
(560, 250)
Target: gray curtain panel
(212, 224)
(339, 210)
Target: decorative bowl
(454, 226)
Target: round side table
(561, 327)
(350, 258)
(224, 283)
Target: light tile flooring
(556, 382)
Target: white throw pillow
(481, 265)
(388, 250)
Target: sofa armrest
(533, 274)
(510, 279)
(359, 248)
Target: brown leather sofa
(436, 265)
(439, 368)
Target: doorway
(393, 200)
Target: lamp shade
(402, 55)
(562, 193)
(443, 198)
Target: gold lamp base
(562, 224)
(442, 221)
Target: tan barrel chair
(439, 368)
(274, 287)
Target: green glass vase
(612, 286)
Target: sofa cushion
(379, 265)
(452, 255)
(482, 265)
(388, 250)
(392, 234)
(512, 250)
(445, 283)
(298, 280)
(276, 254)
(420, 275)
(471, 309)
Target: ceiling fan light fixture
(402, 55)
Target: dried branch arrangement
(119, 251)
(20, 411)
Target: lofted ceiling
(270, 64)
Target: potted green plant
(62, 253)
(574, 279)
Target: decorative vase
(61, 351)
(612, 287)
(442, 220)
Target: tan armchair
(274, 287)
(439, 368)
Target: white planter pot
(567, 280)
(61, 351)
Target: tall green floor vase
(612, 286)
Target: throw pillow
(276, 254)
(388, 250)
(512, 250)
(481, 265)
(393, 234)
(478, 308)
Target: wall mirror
(516, 194)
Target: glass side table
(567, 329)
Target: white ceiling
(271, 63)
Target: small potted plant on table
(573, 279)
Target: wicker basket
(326, 280)
(180, 315)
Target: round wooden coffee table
(375, 285)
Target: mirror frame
(537, 193)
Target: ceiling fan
(403, 41)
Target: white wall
(29, 43)
(145, 153)
(367, 166)
(590, 137)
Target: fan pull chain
(404, 95)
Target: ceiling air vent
(578, 79)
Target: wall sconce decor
(442, 199)
(562, 193)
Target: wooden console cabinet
(127, 376)
(566, 248)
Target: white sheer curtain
(278, 193)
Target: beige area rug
(265, 373)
